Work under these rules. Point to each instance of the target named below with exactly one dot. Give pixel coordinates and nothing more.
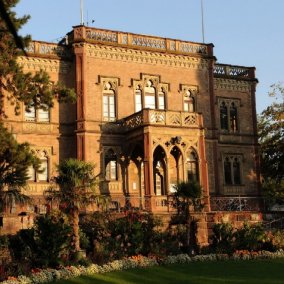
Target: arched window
(233, 118)
(109, 112)
(138, 99)
(161, 99)
(111, 166)
(188, 102)
(149, 93)
(192, 167)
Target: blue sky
(244, 32)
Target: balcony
(151, 117)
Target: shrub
(222, 238)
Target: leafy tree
(76, 190)
(271, 139)
(15, 158)
(15, 85)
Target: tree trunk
(76, 230)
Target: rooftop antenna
(82, 11)
(202, 20)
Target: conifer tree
(15, 85)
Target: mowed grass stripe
(231, 272)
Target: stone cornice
(145, 57)
(232, 85)
(46, 64)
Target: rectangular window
(138, 101)
(150, 101)
(43, 114)
(30, 115)
(109, 108)
(31, 173)
(161, 102)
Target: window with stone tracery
(150, 93)
(232, 169)
(229, 116)
(41, 175)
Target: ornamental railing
(82, 33)
(48, 49)
(237, 203)
(222, 70)
(162, 118)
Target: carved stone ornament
(232, 85)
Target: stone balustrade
(82, 33)
(162, 118)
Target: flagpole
(82, 12)
(202, 20)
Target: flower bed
(50, 275)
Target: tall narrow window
(192, 167)
(161, 99)
(111, 166)
(150, 100)
(233, 118)
(236, 171)
(31, 173)
(228, 171)
(138, 99)
(188, 102)
(224, 116)
(108, 103)
(43, 174)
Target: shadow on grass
(231, 272)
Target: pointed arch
(159, 170)
(192, 165)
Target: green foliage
(271, 139)
(15, 158)
(77, 189)
(249, 237)
(46, 244)
(16, 85)
(187, 194)
(222, 238)
(111, 238)
(52, 238)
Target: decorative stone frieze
(48, 65)
(139, 56)
(232, 85)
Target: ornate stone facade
(151, 112)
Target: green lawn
(232, 272)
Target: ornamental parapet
(234, 72)
(146, 42)
(151, 117)
(48, 49)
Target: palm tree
(187, 194)
(76, 190)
